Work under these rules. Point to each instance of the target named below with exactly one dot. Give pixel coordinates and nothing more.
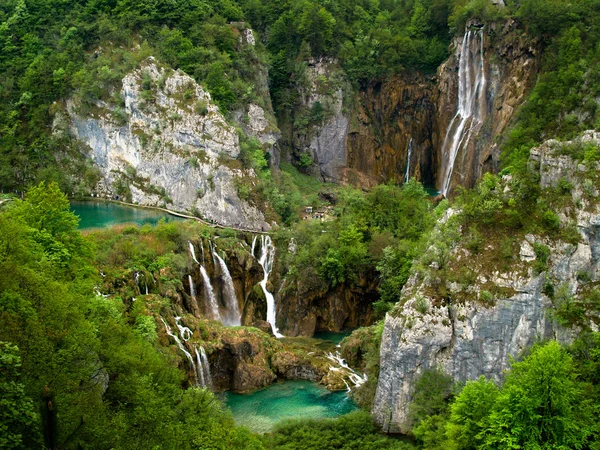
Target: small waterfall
(410, 147)
(267, 256)
(192, 288)
(182, 348)
(184, 331)
(355, 378)
(202, 250)
(209, 293)
(193, 252)
(203, 367)
(234, 318)
(471, 104)
(253, 245)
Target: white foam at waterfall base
(232, 317)
(212, 306)
(267, 255)
(471, 104)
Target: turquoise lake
(262, 410)
(99, 214)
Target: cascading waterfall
(209, 293)
(410, 147)
(267, 256)
(355, 378)
(202, 250)
(471, 103)
(233, 316)
(182, 348)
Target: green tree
(316, 27)
(19, 424)
(541, 404)
(469, 414)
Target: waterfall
(192, 288)
(182, 348)
(184, 332)
(253, 245)
(203, 367)
(193, 252)
(233, 318)
(209, 293)
(267, 256)
(407, 175)
(355, 378)
(202, 250)
(471, 104)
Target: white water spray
(267, 256)
(233, 316)
(471, 104)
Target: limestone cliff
(168, 145)
(466, 314)
(317, 125)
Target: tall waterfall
(471, 104)
(410, 146)
(182, 348)
(267, 256)
(209, 293)
(233, 316)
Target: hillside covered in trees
(235, 112)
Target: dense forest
(83, 369)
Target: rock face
(476, 335)
(318, 124)
(304, 309)
(168, 146)
(388, 115)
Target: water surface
(99, 214)
(300, 399)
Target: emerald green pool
(99, 214)
(262, 410)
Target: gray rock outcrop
(168, 146)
